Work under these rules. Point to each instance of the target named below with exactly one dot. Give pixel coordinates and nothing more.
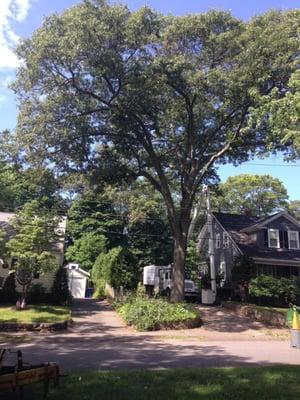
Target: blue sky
(19, 18)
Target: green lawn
(281, 382)
(35, 314)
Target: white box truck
(159, 279)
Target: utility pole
(194, 217)
(211, 243)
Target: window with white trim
(218, 241)
(273, 236)
(225, 240)
(293, 239)
(223, 271)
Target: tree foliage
(35, 238)
(166, 97)
(86, 249)
(118, 268)
(131, 216)
(257, 194)
(294, 208)
(19, 186)
(242, 270)
(269, 287)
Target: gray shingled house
(272, 242)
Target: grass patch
(35, 314)
(152, 314)
(263, 383)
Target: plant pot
(207, 296)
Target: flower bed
(154, 314)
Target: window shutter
(266, 242)
(286, 239)
(281, 239)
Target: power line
(272, 165)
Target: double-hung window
(273, 235)
(293, 239)
(218, 241)
(225, 240)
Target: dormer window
(293, 239)
(273, 236)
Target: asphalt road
(99, 339)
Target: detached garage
(78, 279)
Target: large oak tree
(167, 97)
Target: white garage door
(77, 287)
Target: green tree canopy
(19, 185)
(128, 216)
(168, 96)
(257, 194)
(294, 208)
(86, 249)
(119, 268)
(35, 239)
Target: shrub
(119, 268)
(152, 314)
(99, 292)
(97, 270)
(242, 270)
(9, 293)
(266, 288)
(37, 294)
(60, 288)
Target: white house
(45, 279)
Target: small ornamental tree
(35, 239)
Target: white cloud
(10, 11)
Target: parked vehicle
(158, 279)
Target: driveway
(99, 339)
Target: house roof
(240, 227)
(235, 222)
(70, 268)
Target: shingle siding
(250, 235)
